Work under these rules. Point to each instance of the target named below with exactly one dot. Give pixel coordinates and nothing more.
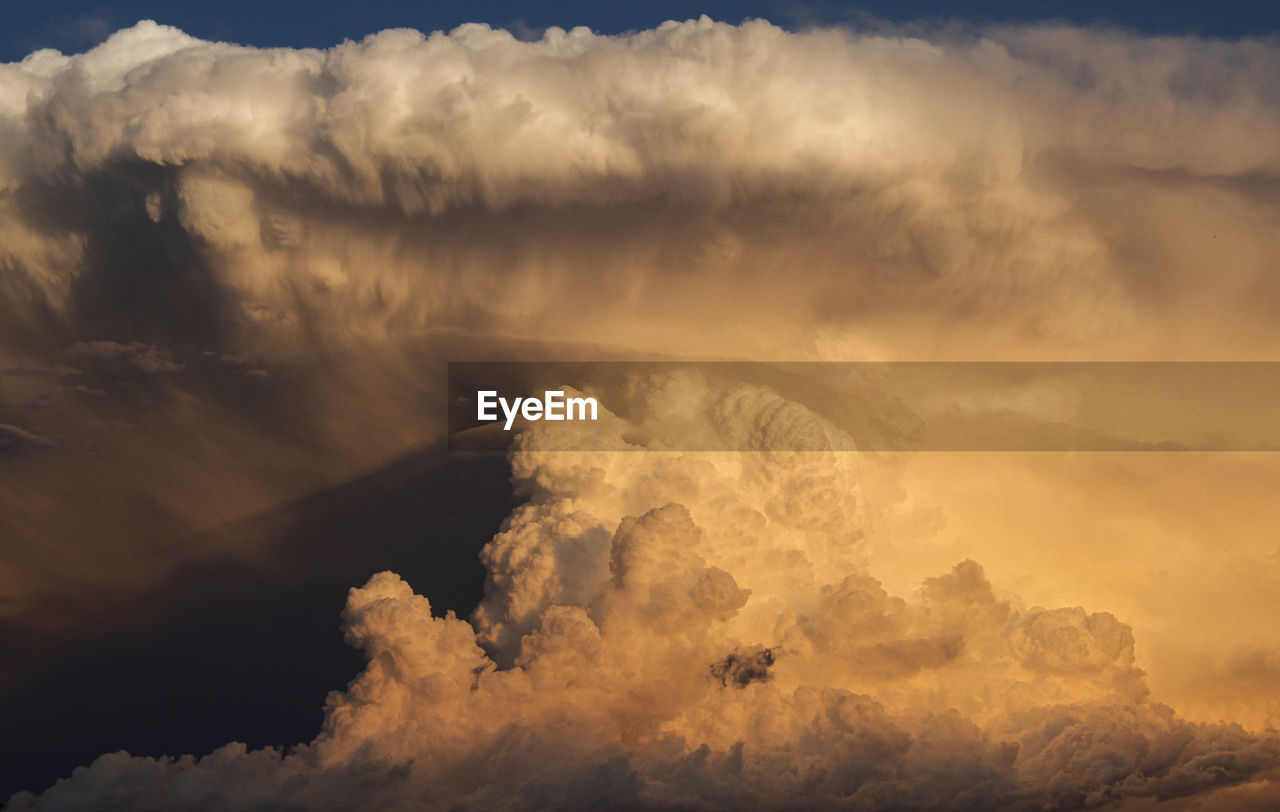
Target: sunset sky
(245, 564)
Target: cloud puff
(1058, 186)
(653, 635)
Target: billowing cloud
(1061, 186)
(673, 630)
(655, 634)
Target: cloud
(677, 630)
(17, 442)
(142, 357)
(1044, 183)
(741, 668)
(652, 633)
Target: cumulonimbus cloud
(1040, 176)
(624, 595)
(672, 629)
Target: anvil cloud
(228, 274)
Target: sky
(242, 566)
(73, 26)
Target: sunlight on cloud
(214, 253)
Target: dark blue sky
(73, 25)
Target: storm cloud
(595, 672)
(230, 277)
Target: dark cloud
(17, 442)
(741, 668)
(143, 357)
